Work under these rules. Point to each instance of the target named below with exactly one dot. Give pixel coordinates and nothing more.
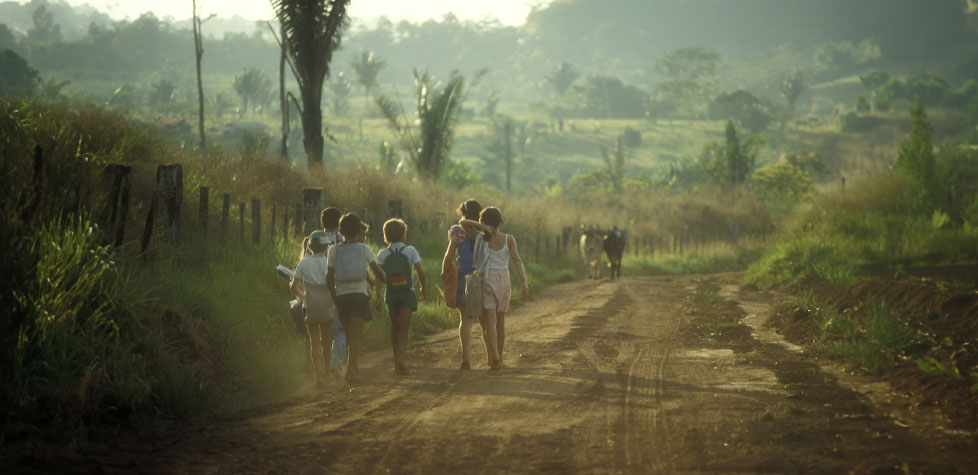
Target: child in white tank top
(493, 251)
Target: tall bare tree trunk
(312, 126)
(283, 100)
(199, 52)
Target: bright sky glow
(509, 12)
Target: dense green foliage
(895, 218)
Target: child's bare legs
(465, 335)
(314, 346)
(354, 330)
(485, 336)
(320, 337)
(491, 338)
(500, 334)
(403, 330)
(395, 338)
(325, 342)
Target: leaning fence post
(395, 209)
(169, 180)
(256, 220)
(119, 178)
(225, 213)
(202, 205)
(297, 220)
(241, 214)
(285, 223)
(271, 231)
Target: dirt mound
(947, 315)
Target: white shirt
(312, 269)
(409, 251)
(359, 286)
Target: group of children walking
(333, 280)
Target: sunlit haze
(510, 12)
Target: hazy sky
(510, 12)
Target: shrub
(782, 184)
(632, 137)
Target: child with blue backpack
(397, 261)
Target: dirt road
(605, 377)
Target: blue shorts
(355, 305)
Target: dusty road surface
(630, 376)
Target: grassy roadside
(99, 341)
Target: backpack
(397, 266)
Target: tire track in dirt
(607, 377)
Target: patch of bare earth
(604, 377)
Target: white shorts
(497, 290)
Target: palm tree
(367, 67)
(562, 77)
(311, 32)
(250, 85)
(437, 114)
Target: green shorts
(399, 299)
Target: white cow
(592, 246)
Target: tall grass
(871, 224)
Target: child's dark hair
(364, 227)
(469, 209)
(349, 226)
(394, 230)
(317, 247)
(491, 216)
(330, 218)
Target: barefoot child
(346, 276)
(309, 284)
(396, 261)
(462, 244)
(496, 289)
(329, 219)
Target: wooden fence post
(202, 206)
(297, 221)
(546, 246)
(225, 213)
(241, 213)
(537, 251)
(735, 231)
(285, 223)
(271, 231)
(169, 180)
(119, 178)
(395, 209)
(256, 220)
(312, 204)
